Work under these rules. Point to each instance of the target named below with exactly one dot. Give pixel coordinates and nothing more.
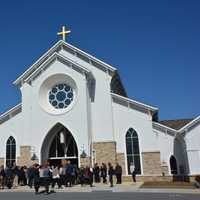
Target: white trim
(10, 111)
(20, 78)
(56, 56)
(179, 131)
(165, 128)
(136, 103)
(49, 53)
(194, 121)
(90, 56)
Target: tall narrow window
(10, 151)
(133, 150)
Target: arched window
(10, 151)
(133, 150)
(173, 165)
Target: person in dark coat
(9, 177)
(88, 176)
(104, 172)
(2, 177)
(30, 174)
(68, 174)
(110, 173)
(22, 176)
(118, 173)
(81, 175)
(96, 171)
(36, 177)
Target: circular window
(60, 96)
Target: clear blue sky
(154, 44)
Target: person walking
(96, 171)
(133, 172)
(45, 177)
(104, 172)
(36, 177)
(68, 174)
(16, 173)
(110, 173)
(30, 174)
(118, 173)
(56, 177)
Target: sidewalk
(125, 187)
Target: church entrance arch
(59, 145)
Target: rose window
(61, 96)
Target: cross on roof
(63, 33)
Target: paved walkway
(125, 187)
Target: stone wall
(105, 152)
(1, 161)
(85, 161)
(25, 156)
(151, 163)
(164, 169)
(121, 161)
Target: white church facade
(74, 106)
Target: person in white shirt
(133, 172)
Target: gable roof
(71, 49)
(56, 56)
(175, 124)
(174, 127)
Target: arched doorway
(59, 145)
(173, 165)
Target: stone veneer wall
(105, 152)
(1, 161)
(85, 161)
(164, 169)
(25, 156)
(151, 163)
(121, 161)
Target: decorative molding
(10, 113)
(71, 49)
(134, 104)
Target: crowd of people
(65, 175)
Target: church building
(74, 106)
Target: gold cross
(64, 33)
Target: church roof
(174, 127)
(71, 49)
(175, 124)
(134, 104)
(10, 113)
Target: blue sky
(154, 44)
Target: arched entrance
(59, 145)
(173, 165)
